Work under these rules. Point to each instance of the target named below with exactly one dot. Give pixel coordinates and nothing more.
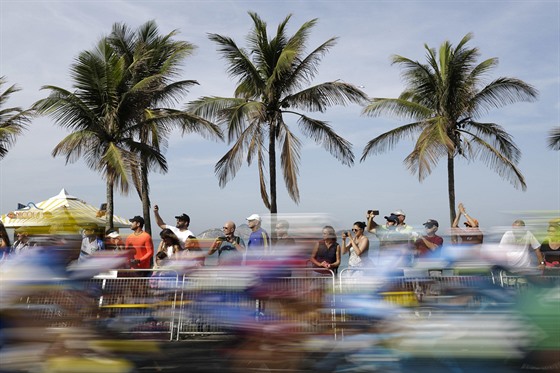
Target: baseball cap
(398, 212)
(254, 217)
(137, 219)
(392, 218)
(431, 223)
(183, 217)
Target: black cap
(183, 217)
(393, 218)
(137, 219)
(430, 223)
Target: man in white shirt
(516, 245)
(181, 228)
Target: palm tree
(444, 99)
(97, 114)
(13, 120)
(152, 61)
(554, 139)
(271, 76)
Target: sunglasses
(356, 230)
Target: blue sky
(40, 39)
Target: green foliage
(273, 76)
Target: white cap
(398, 212)
(113, 235)
(254, 217)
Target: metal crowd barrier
(216, 300)
(211, 301)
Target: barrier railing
(216, 300)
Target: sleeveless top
(551, 256)
(327, 254)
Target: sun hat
(113, 234)
(398, 212)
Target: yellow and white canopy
(62, 210)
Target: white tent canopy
(61, 209)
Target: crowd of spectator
(395, 237)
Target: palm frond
(398, 107)
(323, 134)
(322, 96)
(290, 158)
(554, 139)
(388, 140)
(501, 92)
(500, 164)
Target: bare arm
(359, 246)
(314, 255)
(371, 225)
(337, 263)
(159, 220)
(540, 257)
(459, 213)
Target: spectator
(471, 234)
(142, 244)
(326, 253)
(358, 245)
(4, 242)
(22, 242)
(181, 228)
(170, 243)
(230, 247)
(550, 247)
(113, 240)
(115, 244)
(282, 238)
(389, 234)
(259, 241)
(430, 243)
(516, 245)
(394, 244)
(401, 225)
(91, 243)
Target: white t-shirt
(517, 249)
(182, 235)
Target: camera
(374, 212)
(345, 234)
(222, 238)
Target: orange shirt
(144, 249)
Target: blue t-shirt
(259, 243)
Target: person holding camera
(358, 245)
(430, 243)
(230, 247)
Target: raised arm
(371, 224)
(159, 220)
(460, 210)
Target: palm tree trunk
(451, 187)
(145, 196)
(272, 168)
(109, 209)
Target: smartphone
(374, 212)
